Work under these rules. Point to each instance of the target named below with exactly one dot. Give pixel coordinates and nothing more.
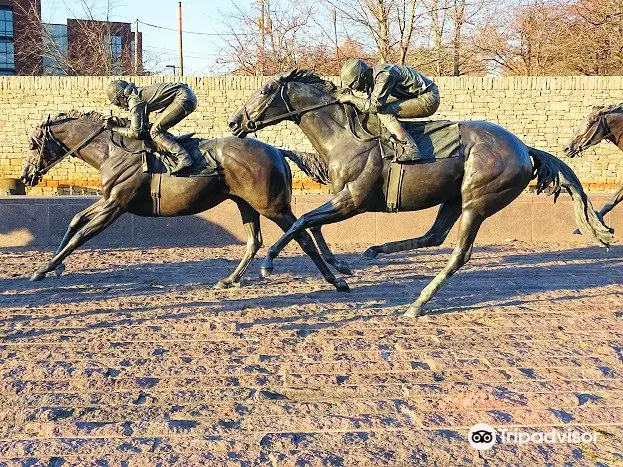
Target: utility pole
(337, 49)
(136, 57)
(262, 25)
(181, 54)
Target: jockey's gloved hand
(345, 97)
(110, 123)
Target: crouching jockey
(172, 101)
(417, 96)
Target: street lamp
(171, 66)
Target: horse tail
(551, 171)
(310, 163)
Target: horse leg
(108, 212)
(286, 221)
(76, 223)
(341, 207)
(327, 255)
(447, 216)
(251, 221)
(609, 206)
(468, 228)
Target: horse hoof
(341, 285)
(414, 311)
(370, 253)
(266, 272)
(60, 269)
(37, 276)
(222, 284)
(342, 267)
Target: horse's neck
(615, 124)
(330, 126)
(95, 152)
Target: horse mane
(358, 120)
(92, 116)
(308, 77)
(608, 109)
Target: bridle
(39, 171)
(601, 122)
(253, 124)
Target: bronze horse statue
(603, 123)
(253, 174)
(495, 168)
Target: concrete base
(42, 222)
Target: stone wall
(542, 111)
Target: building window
(7, 56)
(115, 46)
(7, 52)
(55, 47)
(6, 23)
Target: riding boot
(175, 149)
(411, 151)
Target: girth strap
(156, 185)
(394, 186)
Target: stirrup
(407, 152)
(182, 165)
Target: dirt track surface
(131, 356)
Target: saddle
(436, 139)
(160, 162)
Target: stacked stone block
(542, 111)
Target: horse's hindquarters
(498, 167)
(429, 184)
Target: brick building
(86, 47)
(79, 47)
(20, 37)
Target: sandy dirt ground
(131, 358)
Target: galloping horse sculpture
(253, 174)
(495, 168)
(603, 123)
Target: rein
(252, 124)
(296, 112)
(602, 121)
(80, 145)
(291, 112)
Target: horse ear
(284, 75)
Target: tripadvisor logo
(483, 436)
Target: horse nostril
(233, 124)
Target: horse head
(47, 144)
(284, 97)
(594, 129)
(44, 151)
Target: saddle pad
(436, 139)
(204, 165)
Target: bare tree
(437, 10)
(547, 37)
(387, 26)
(287, 37)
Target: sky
(201, 51)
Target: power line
(190, 53)
(193, 32)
